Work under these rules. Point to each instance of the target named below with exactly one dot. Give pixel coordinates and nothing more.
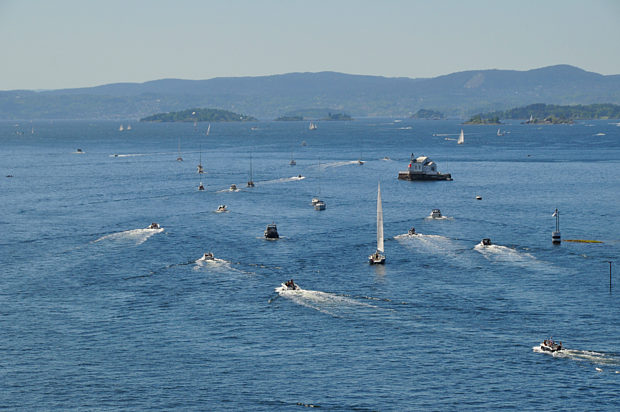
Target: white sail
(128, 127)
(379, 222)
(208, 128)
(461, 138)
(120, 129)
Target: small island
(478, 119)
(427, 114)
(549, 120)
(199, 115)
(337, 117)
(289, 119)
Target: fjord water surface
(98, 313)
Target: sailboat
(319, 204)
(461, 138)
(200, 170)
(360, 162)
(128, 127)
(499, 133)
(179, 159)
(293, 162)
(32, 130)
(250, 183)
(208, 129)
(378, 257)
(312, 126)
(120, 129)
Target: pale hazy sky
(73, 43)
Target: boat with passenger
(548, 345)
(207, 256)
(233, 187)
(290, 285)
(222, 208)
(201, 187)
(485, 242)
(153, 226)
(436, 214)
(412, 231)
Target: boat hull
(412, 176)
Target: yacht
(272, 232)
(436, 214)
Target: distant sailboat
(179, 159)
(360, 162)
(128, 127)
(293, 162)
(378, 257)
(319, 204)
(32, 130)
(461, 138)
(250, 183)
(499, 133)
(312, 126)
(200, 169)
(120, 129)
(208, 129)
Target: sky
(68, 43)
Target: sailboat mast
(380, 247)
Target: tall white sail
(379, 222)
(461, 138)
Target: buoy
(556, 237)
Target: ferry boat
(422, 168)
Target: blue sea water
(98, 313)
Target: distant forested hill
(463, 94)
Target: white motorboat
(315, 200)
(208, 256)
(233, 187)
(153, 226)
(436, 214)
(222, 208)
(548, 345)
(272, 232)
(79, 151)
(485, 242)
(201, 187)
(378, 257)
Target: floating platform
(408, 175)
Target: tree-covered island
(199, 115)
(289, 119)
(337, 117)
(478, 119)
(554, 114)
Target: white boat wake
(337, 164)
(497, 253)
(217, 265)
(282, 180)
(607, 363)
(328, 303)
(139, 236)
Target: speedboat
(201, 187)
(412, 231)
(300, 177)
(208, 256)
(436, 213)
(486, 242)
(221, 208)
(233, 187)
(153, 226)
(549, 345)
(272, 232)
(360, 162)
(79, 151)
(290, 285)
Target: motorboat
(300, 177)
(115, 155)
(222, 208)
(378, 258)
(254, 127)
(153, 226)
(548, 345)
(412, 231)
(436, 214)
(486, 242)
(478, 197)
(360, 162)
(303, 143)
(290, 285)
(272, 232)
(201, 187)
(233, 187)
(320, 205)
(315, 200)
(79, 151)
(208, 256)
